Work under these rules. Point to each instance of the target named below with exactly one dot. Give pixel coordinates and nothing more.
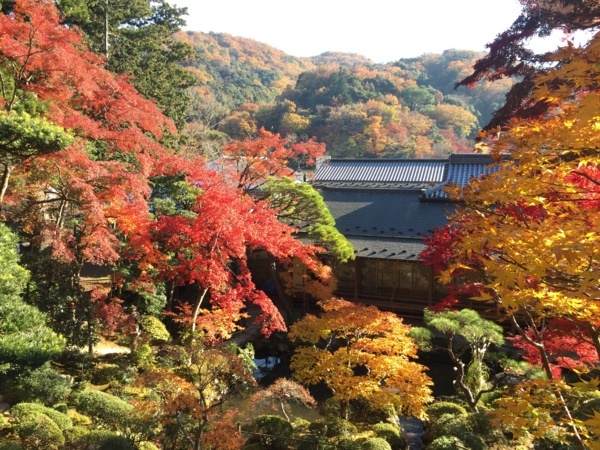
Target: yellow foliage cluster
(361, 352)
(531, 231)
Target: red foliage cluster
(567, 343)
(90, 202)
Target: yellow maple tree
(528, 236)
(360, 352)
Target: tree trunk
(106, 41)
(5, 177)
(197, 308)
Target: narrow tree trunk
(5, 177)
(106, 41)
(283, 411)
(197, 308)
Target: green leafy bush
(45, 384)
(103, 407)
(437, 428)
(75, 434)
(143, 357)
(348, 444)
(446, 443)
(145, 445)
(38, 431)
(438, 409)
(155, 329)
(276, 426)
(392, 434)
(25, 339)
(472, 441)
(459, 426)
(104, 440)
(375, 443)
(301, 426)
(78, 419)
(21, 410)
(339, 427)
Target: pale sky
(381, 30)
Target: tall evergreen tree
(135, 36)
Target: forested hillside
(408, 108)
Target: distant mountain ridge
(357, 107)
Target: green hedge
(23, 409)
(103, 407)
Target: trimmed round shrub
(38, 431)
(143, 357)
(375, 443)
(472, 441)
(76, 433)
(277, 427)
(105, 440)
(437, 410)
(457, 426)
(78, 419)
(155, 329)
(103, 407)
(446, 425)
(23, 409)
(145, 445)
(339, 427)
(45, 384)
(300, 425)
(446, 443)
(392, 434)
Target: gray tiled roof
(379, 204)
(394, 221)
(382, 170)
(461, 171)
